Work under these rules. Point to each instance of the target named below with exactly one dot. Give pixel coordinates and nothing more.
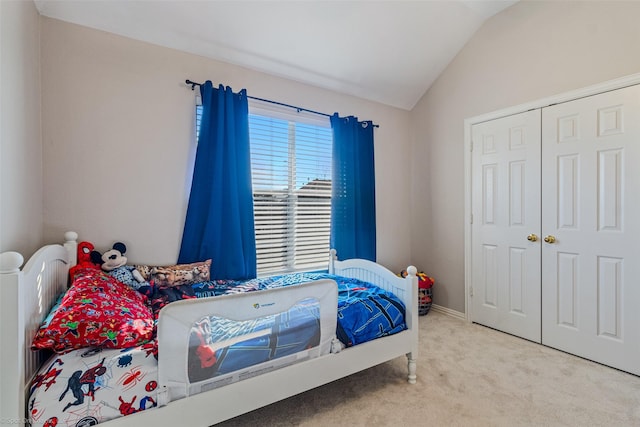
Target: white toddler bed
(27, 294)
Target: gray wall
(21, 209)
(117, 125)
(532, 50)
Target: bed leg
(411, 365)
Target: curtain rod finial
(193, 84)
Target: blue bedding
(365, 312)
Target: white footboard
(405, 288)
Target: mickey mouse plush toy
(114, 262)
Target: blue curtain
(219, 223)
(353, 203)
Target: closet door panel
(590, 178)
(506, 209)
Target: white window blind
(291, 174)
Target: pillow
(176, 275)
(96, 311)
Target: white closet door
(506, 211)
(591, 272)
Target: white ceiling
(384, 51)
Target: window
(291, 174)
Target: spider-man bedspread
(88, 386)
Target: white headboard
(26, 296)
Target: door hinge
(471, 291)
(471, 219)
(471, 147)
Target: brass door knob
(550, 239)
(532, 238)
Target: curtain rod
(298, 109)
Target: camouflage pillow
(175, 275)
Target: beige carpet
(468, 375)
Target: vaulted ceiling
(384, 51)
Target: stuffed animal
(114, 262)
(84, 253)
(84, 258)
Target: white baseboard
(448, 312)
